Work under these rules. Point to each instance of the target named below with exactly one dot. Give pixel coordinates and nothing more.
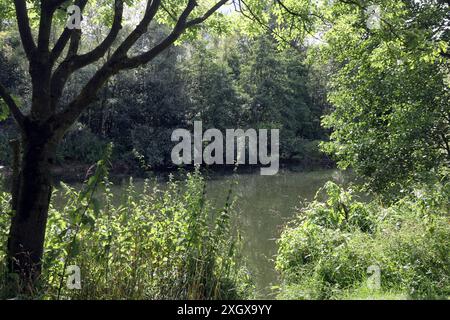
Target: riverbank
(263, 205)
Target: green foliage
(274, 83)
(326, 252)
(80, 144)
(233, 83)
(149, 244)
(389, 90)
(290, 21)
(390, 93)
(250, 83)
(212, 87)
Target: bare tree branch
(208, 14)
(141, 28)
(74, 62)
(24, 28)
(60, 45)
(103, 47)
(65, 36)
(180, 26)
(88, 93)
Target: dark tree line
(238, 82)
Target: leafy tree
(139, 110)
(275, 84)
(212, 88)
(50, 67)
(390, 92)
(57, 54)
(216, 82)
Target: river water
(264, 204)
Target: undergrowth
(338, 246)
(149, 244)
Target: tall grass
(149, 244)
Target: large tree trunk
(34, 189)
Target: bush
(81, 145)
(151, 143)
(151, 244)
(326, 252)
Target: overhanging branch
(180, 26)
(119, 60)
(208, 14)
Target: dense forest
(92, 205)
(234, 82)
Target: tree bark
(27, 233)
(15, 148)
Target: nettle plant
(154, 242)
(335, 244)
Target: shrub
(81, 145)
(326, 252)
(148, 141)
